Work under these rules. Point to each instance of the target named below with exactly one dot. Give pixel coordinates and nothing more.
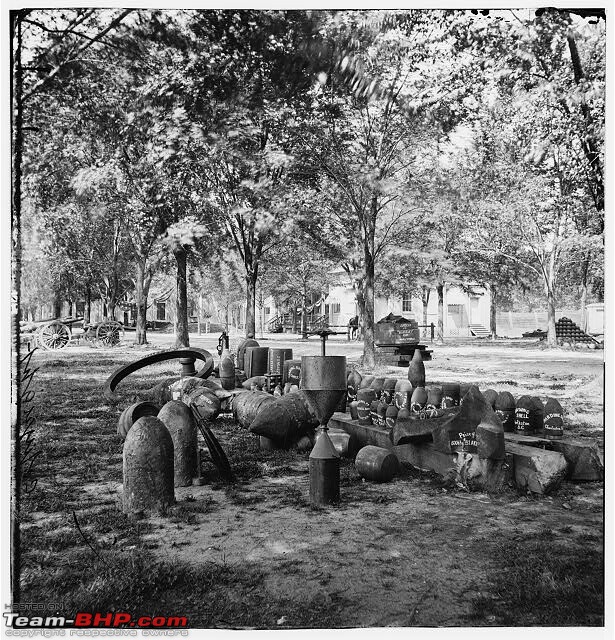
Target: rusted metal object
(352, 385)
(553, 421)
(132, 413)
(416, 370)
(241, 350)
(285, 419)
(178, 419)
(227, 372)
(203, 403)
(148, 468)
(505, 408)
(391, 416)
(528, 419)
(277, 358)
(291, 372)
(246, 406)
(365, 397)
(255, 361)
(403, 394)
(451, 395)
(323, 381)
(376, 463)
(122, 372)
(491, 396)
(388, 390)
(418, 400)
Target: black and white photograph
(308, 319)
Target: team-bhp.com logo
(93, 620)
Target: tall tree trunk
(182, 337)
(551, 334)
(294, 312)
(425, 292)
(369, 352)
(304, 322)
(440, 332)
(57, 304)
(493, 307)
(87, 307)
(584, 274)
(251, 279)
(141, 294)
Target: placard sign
(463, 441)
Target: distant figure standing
(353, 328)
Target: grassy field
(413, 552)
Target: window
(406, 302)
(335, 307)
(161, 311)
(267, 311)
(326, 309)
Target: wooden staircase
(478, 331)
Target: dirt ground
(412, 552)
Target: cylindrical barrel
(505, 408)
(388, 390)
(352, 384)
(241, 351)
(553, 421)
(324, 472)
(178, 420)
(451, 395)
(148, 468)
(227, 373)
(418, 400)
(391, 416)
(246, 406)
(403, 394)
(291, 372)
(277, 358)
(378, 385)
(132, 413)
(255, 361)
(365, 397)
(203, 403)
(416, 369)
(376, 463)
(491, 396)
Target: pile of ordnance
(489, 439)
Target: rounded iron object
(352, 384)
(203, 403)
(177, 418)
(553, 421)
(365, 397)
(434, 397)
(132, 413)
(403, 394)
(376, 464)
(416, 369)
(418, 400)
(382, 413)
(391, 416)
(388, 390)
(491, 396)
(451, 395)
(241, 350)
(227, 373)
(148, 468)
(528, 419)
(354, 410)
(122, 372)
(378, 385)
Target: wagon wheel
(108, 333)
(53, 335)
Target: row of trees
(411, 149)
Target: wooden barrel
(246, 406)
(376, 463)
